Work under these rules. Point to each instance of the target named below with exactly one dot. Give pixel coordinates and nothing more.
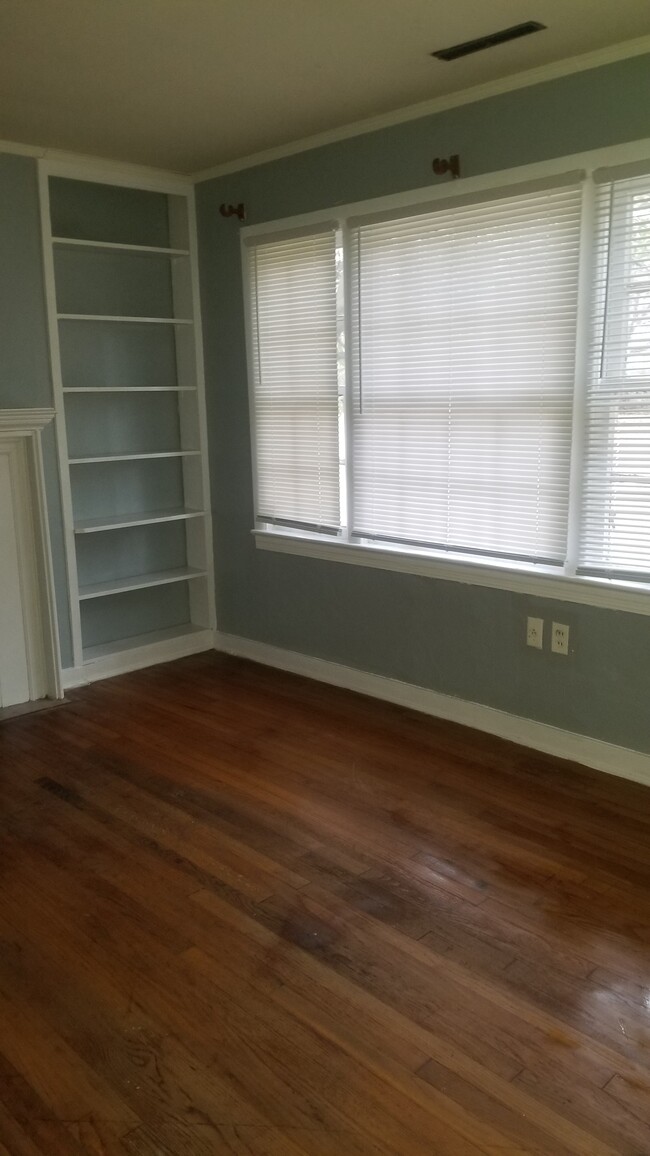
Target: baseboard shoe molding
(551, 740)
(127, 660)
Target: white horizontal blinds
(295, 380)
(616, 492)
(464, 326)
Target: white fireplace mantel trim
(24, 427)
(25, 422)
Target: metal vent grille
(469, 46)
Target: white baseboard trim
(127, 660)
(72, 676)
(595, 753)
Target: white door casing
(14, 575)
(29, 649)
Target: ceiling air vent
(469, 46)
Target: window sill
(540, 581)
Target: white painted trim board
(551, 740)
(23, 427)
(125, 661)
(102, 169)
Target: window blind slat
(294, 334)
(463, 358)
(616, 493)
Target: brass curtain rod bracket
(442, 165)
(233, 211)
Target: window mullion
(347, 293)
(584, 324)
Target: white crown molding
(98, 168)
(21, 150)
(25, 420)
(556, 69)
(590, 752)
(95, 166)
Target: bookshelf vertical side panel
(189, 347)
(59, 405)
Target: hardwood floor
(241, 912)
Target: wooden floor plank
(242, 912)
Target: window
(428, 379)
(463, 372)
(294, 361)
(616, 503)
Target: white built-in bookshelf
(122, 287)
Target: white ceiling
(185, 84)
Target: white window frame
(524, 578)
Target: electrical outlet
(535, 632)
(559, 638)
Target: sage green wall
(457, 639)
(25, 379)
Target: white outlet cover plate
(535, 632)
(560, 638)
